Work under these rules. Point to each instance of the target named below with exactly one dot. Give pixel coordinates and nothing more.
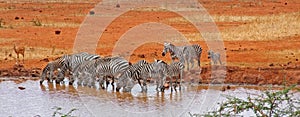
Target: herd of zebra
(86, 69)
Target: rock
(92, 12)
(21, 88)
(141, 55)
(118, 5)
(228, 87)
(45, 60)
(57, 32)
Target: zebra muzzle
(118, 89)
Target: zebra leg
(157, 83)
(188, 65)
(162, 87)
(175, 84)
(144, 85)
(181, 75)
(198, 60)
(112, 83)
(192, 62)
(101, 82)
(139, 81)
(171, 85)
(106, 80)
(220, 61)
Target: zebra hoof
(41, 82)
(70, 83)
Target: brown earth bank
(261, 38)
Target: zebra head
(159, 65)
(125, 83)
(210, 53)
(166, 49)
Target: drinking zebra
(70, 62)
(214, 56)
(85, 73)
(110, 67)
(150, 70)
(126, 80)
(49, 70)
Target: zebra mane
(161, 61)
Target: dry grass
(50, 1)
(266, 28)
(31, 53)
(44, 24)
(283, 55)
(269, 27)
(5, 40)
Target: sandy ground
(261, 38)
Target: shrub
(268, 104)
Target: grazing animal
(49, 69)
(85, 73)
(70, 62)
(19, 50)
(214, 56)
(110, 67)
(125, 80)
(149, 70)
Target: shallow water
(38, 99)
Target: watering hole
(29, 98)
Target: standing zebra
(185, 54)
(192, 53)
(215, 57)
(110, 67)
(125, 81)
(49, 69)
(70, 62)
(176, 52)
(175, 69)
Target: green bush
(268, 104)
(60, 114)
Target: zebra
(149, 71)
(175, 69)
(176, 52)
(110, 67)
(215, 57)
(185, 54)
(49, 69)
(192, 52)
(70, 62)
(126, 80)
(85, 73)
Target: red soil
(252, 65)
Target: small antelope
(19, 50)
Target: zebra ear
(166, 43)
